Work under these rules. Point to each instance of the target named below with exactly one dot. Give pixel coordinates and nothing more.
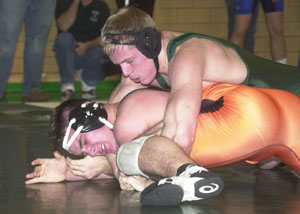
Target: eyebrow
(125, 60)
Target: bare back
(215, 62)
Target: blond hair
(129, 19)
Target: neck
(162, 57)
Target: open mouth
(103, 148)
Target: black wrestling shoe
(192, 183)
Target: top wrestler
(183, 62)
(225, 135)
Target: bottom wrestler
(236, 123)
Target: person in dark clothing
(77, 45)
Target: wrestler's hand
(89, 167)
(135, 182)
(48, 170)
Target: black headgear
(147, 41)
(87, 115)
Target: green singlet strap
(159, 78)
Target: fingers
(77, 172)
(35, 173)
(124, 185)
(76, 163)
(34, 180)
(37, 161)
(76, 168)
(32, 175)
(125, 182)
(137, 182)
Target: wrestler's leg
(169, 153)
(183, 179)
(160, 157)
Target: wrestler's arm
(55, 170)
(90, 168)
(186, 75)
(125, 86)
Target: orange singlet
(252, 124)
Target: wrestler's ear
(148, 42)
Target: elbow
(63, 29)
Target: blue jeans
(249, 40)
(37, 18)
(93, 63)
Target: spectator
(145, 5)
(37, 18)
(77, 45)
(249, 38)
(274, 18)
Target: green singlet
(261, 73)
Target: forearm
(67, 19)
(181, 118)
(72, 177)
(93, 43)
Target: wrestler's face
(134, 64)
(97, 142)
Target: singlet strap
(159, 78)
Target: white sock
(84, 87)
(282, 61)
(67, 86)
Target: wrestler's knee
(128, 155)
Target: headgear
(87, 117)
(147, 41)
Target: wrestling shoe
(191, 183)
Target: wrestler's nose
(91, 150)
(125, 70)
